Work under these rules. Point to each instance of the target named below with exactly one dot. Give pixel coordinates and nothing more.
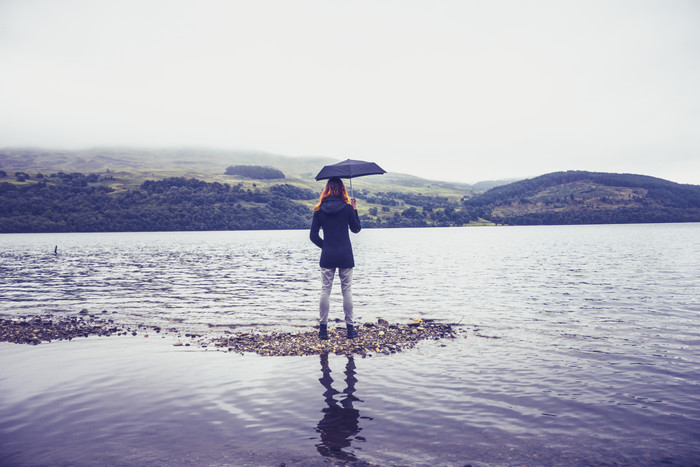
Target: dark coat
(334, 217)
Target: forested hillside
(75, 202)
(579, 197)
(109, 189)
(117, 200)
(171, 204)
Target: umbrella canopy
(349, 168)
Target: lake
(578, 345)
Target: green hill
(126, 189)
(123, 189)
(579, 197)
(130, 167)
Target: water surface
(579, 347)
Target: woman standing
(335, 213)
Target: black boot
(352, 332)
(323, 332)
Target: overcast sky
(451, 90)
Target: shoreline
(377, 338)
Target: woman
(335, 213)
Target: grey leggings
(327, 276)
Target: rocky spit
(373, 338)
(377, 338)
(37, 330)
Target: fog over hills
(206, 164)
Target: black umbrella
(349, 168)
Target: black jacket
(335, 216)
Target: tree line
(170, 204)
(75, 202)
(255, 172)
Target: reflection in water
(341, 421)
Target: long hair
(334, 187)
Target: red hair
(334, 187)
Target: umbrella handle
(352, 193)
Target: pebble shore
(377, 338)
(373, 338)
(37, 330)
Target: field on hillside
(110, 189)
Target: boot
(323, 332)
(352, 332)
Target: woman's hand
(354, 203)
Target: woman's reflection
(341, 421)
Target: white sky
(450, 90)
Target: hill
(127, 189)
(129, 167)
(580, 197)
(123, 189)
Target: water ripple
(581, 348)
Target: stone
(387, 340)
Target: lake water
(579, 345)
